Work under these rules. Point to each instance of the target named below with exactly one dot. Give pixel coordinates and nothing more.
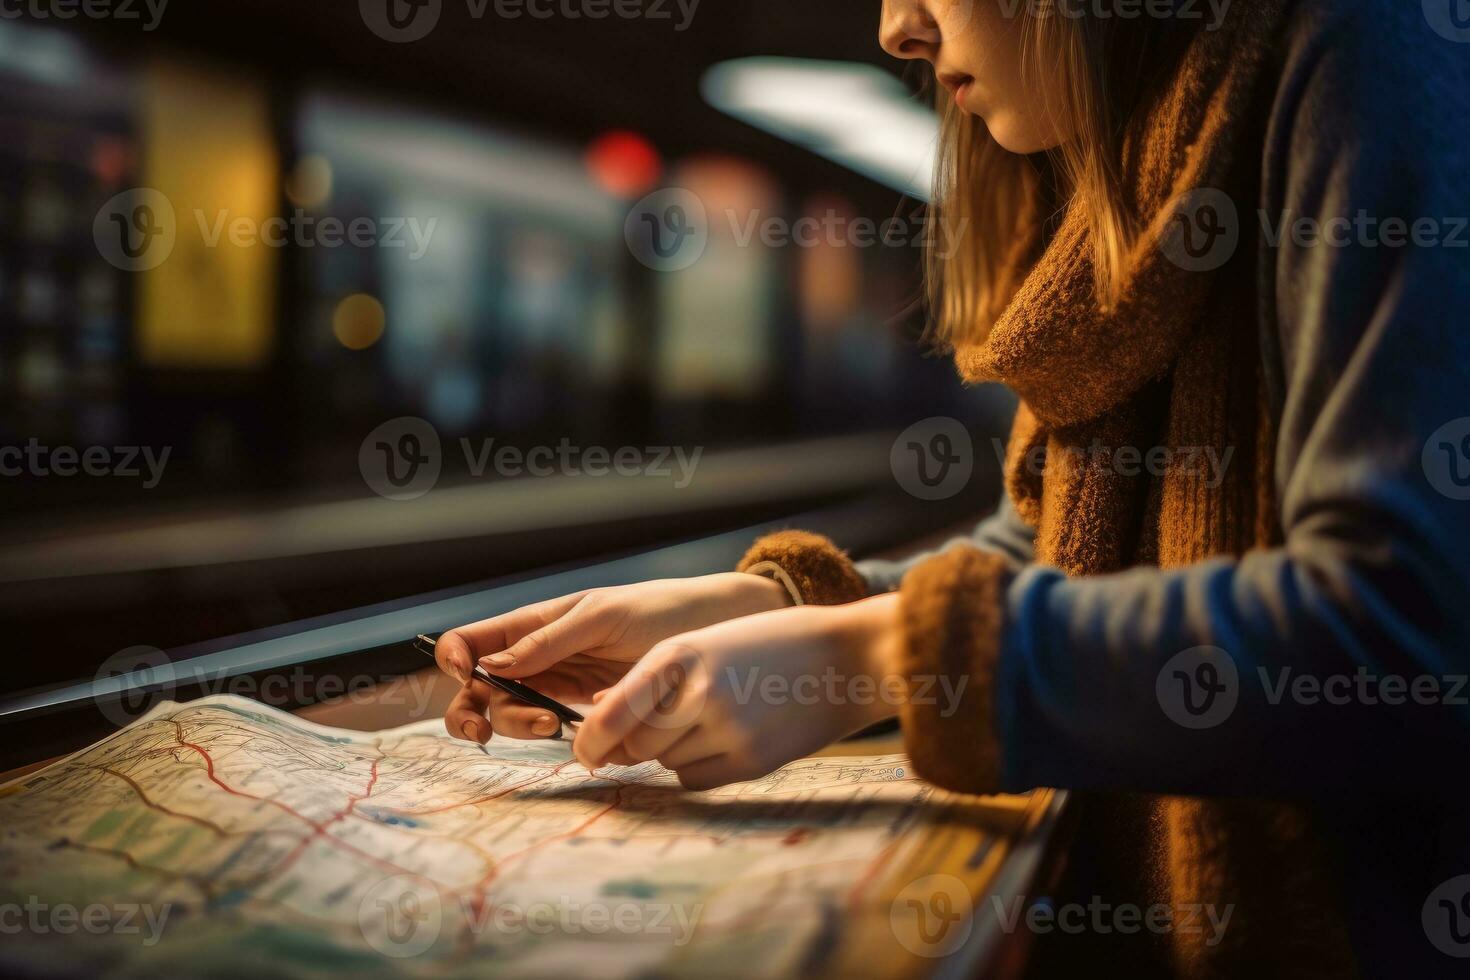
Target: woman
(1139, 196)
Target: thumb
(584, 627)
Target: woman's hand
(735, 701)
(571, 648)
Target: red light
(624, 163)
(110, 160)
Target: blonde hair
(993, 205)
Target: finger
(584, 626)
(493, 635)
(719, 770)
(647, 742)
(452, 654)
(697, 745)
(619, 758)
(465, 716)
(614, 717)
(526, 721)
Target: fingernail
(460, 673)
(470, 732)
(499, 660)
(545, 725)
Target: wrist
(875, 637)
(751, 594)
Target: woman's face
(975, 48)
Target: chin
(1015, 136)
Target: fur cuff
(821, 572)
(952, 608)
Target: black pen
(425, 645)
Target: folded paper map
(223, 838)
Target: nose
(906, 30)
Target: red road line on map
(319, 827)
(476, 905)
(321, 830)
(491, 875)
(321, 833)
(209, 769)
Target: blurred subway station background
(244, 245)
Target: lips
(958, 84)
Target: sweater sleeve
(1003, 534)
(1338, 661)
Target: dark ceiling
(568, 78)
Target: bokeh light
(624, 163)
(358, 322)
(309, 184)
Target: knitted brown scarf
(1174, 368)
